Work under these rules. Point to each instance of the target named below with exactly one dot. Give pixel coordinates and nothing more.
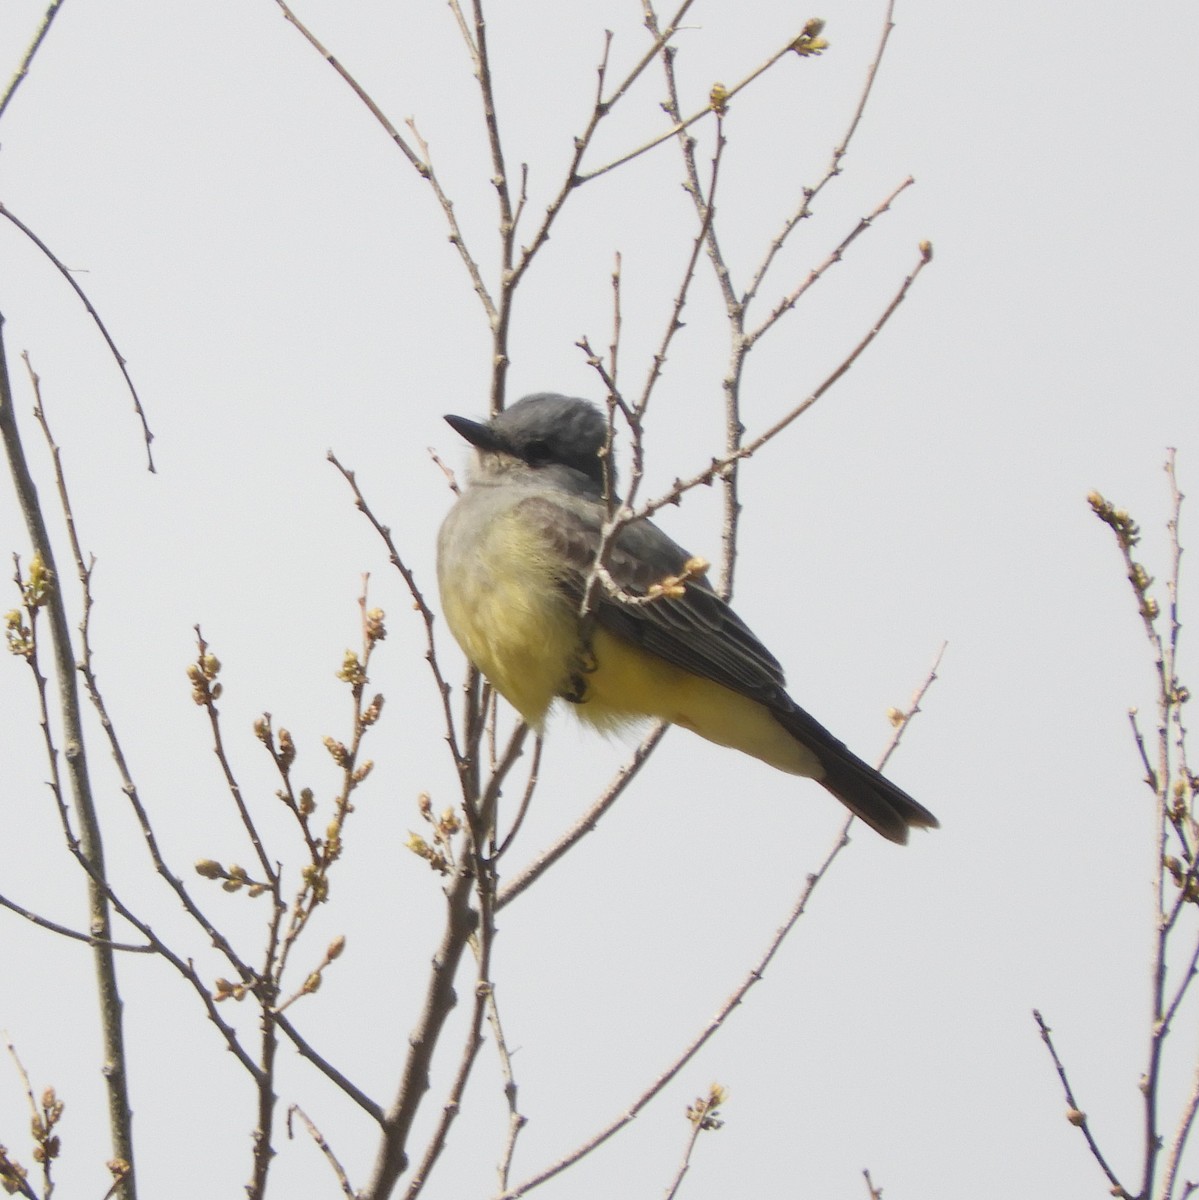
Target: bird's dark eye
(537, 452)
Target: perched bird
(513, 559)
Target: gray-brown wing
(697, 631)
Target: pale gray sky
(279, 279)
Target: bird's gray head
(548, 433)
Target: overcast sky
(280, 281)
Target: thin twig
(507, 224)
(354, 86)
(324, 1147)
(457, 240)
(86, 669)
(207, 700)
(40, 1127)
(419, 157)
(463, 28)
(1076, 1115)
(65, 272)
(1182, 1134)
(516, 1119)
(585, 824)
(74, 934)
(443, 688)
(675, 322)
(789, 301)
(603, 105)
(734, 310)
(661, 39)
(703, 1116)
(525, 800)
(371, 1107)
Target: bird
(515, 554)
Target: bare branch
(440, 999)
(373, 1109)
(91, 841)
(34, 46)
(415, 159)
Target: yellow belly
(628, 684)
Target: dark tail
(887, 809)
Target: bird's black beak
(481, 436)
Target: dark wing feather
(697, 631)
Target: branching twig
(184, 966)
(753, 976)
(834, 166)
(681, 125)
(419, 157)
(789, 301)
(1174, 796)
(719, 466)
